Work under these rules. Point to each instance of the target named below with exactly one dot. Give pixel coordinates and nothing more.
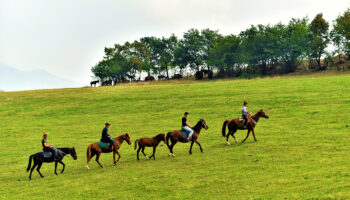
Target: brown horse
(149, 142)
(235, 124)
(176, 136)
(94, 149)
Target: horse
(107, 82)
(93, 83)
(149, 78)
(237, 124)
(177, 76)
(199, 75)
(94, 149)
(149, 142)
(131, 77)
(161, 77)
(39, 159)
(176, 136)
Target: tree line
(261, 49)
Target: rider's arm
(188, 124)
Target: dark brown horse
(149, 142)
(176, 136)
(94, 149)
(237, 124)
(39, 159)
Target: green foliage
(341, 33)
(320, 38)
(261, 49)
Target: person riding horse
(245, 113)
(106, 137)
(186, 126)
(48, 147)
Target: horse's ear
(262, 110)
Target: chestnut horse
(176, 136)
(149, 142)
(94, 149)
(235, 124)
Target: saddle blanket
(104, 144)
(47, 154)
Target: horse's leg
(38, 169)
(233, 135)
(191, 146)
(117, 151)
(200, 147)
(138, 151)
(254, 135)
(31, 170)
(56, 167)
(98, 157)
(114, 157)
(154, 152)
(60, 161)
(173, 142)
(143, 151)
(247, 135)
(227, 136)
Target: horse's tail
(224, 128)
(136, 144)
(167, 139)
(30, 162)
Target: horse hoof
(173, 155)
(87, 167)
(147, 157)
(228, 143)
(170, 154)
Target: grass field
(302, 150)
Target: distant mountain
(13, 80)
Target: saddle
(104, 144)
(47, 154)
(184, 133)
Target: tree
(226, 54)
(320, 38)
(341, 33)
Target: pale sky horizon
(67, 37)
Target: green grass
(302, 150)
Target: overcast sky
(67, 37)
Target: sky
(67, 37)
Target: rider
(106, 137)
(49, 147)
(245, 113)
(186, 126)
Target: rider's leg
(110, 146)
(245, 121)
(189, 130)
(54, 153)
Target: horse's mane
(197, 127)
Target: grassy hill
(302, 150)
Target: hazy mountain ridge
(12, 79)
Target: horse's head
(203, 124)
(263, 114)
(73, 153)
(126, 137)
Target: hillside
(12, 79)
(302, 150)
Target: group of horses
(131, 78)
(170, 139)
